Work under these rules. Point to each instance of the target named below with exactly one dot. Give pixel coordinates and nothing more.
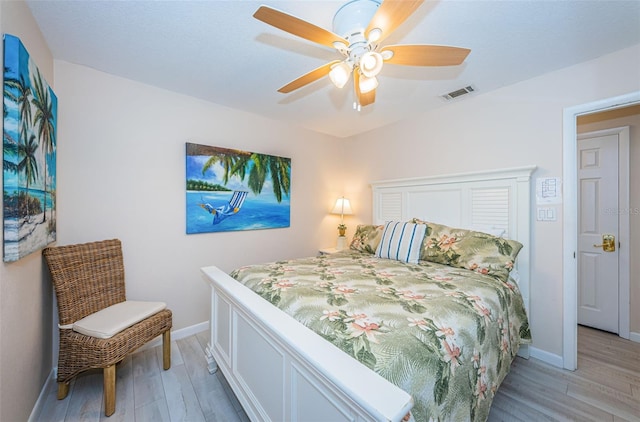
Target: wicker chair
(89, 278)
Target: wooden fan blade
(364, 99)
(307, 78)
(297, 26)
(425, 55)
(390, 15)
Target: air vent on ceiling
(458, 93)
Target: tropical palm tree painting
(229, 189)
(28, 154)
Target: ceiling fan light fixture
(358, 28)
(339, 74)
(371, 63)
(367, 84)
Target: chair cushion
(110, 321)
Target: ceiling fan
(359, 26)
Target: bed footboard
(281, 371)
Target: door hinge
(574, 254)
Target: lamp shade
(371, 63)
(367, 84)
(342, 207)
(340, 73)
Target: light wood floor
(146, 393)
(606, 387)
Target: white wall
(514, 126)
(25, 295)
(121, 174)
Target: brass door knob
(608, 243)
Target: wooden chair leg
(63, 390)
(109, 374)
(166, 349)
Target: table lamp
(342, 207)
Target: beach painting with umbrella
(229, 190)
(28, 154)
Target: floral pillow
(367, 238)
(469, 249)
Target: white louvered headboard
(500, 199)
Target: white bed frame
(281, 371)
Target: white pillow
(401, 241)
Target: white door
(598, 216)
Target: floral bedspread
(445, 335)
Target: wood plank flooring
(147, 393)
(606, 387)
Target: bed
(360, 336)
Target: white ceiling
(216, 51)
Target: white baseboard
(557, 360)
(175, 335)
(550, 358)
(41, 398)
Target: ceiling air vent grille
(458, 93)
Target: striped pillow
(401, 241)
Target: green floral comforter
(445, 335)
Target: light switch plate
(546, 214)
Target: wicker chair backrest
(87, 277)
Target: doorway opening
(570, 217)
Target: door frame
(623, 235)
(570, 222)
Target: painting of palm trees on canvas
(29, 154)
(229, 189)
